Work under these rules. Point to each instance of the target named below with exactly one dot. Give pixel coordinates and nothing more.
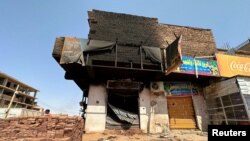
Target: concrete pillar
(5, 81)
(144, 109)
(160, 112)
(200, 109)
(153, 112)
(96, 111)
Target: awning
(73, 52)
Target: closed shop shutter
(181, 112)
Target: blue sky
(28, 29)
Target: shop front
(228, 100)
(185, 99)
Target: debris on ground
(121, 135)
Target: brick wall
(55, 128)
(130, 29)
(112, 26)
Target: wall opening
(122, 109)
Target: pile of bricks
(55, 128)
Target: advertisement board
(230, 65)
(200, 66)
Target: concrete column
(153, 112)
(1, 103)
(4, 84)
(96, 111)
(200, 109)
(144, 109)
(160, 110)
(5, 81)
(1, 91)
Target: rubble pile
(55, 128)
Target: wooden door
(181, 112)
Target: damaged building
(17, 99)
(228, 99)
(138, 73)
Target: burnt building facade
(124, 71)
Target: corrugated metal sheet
(124, 115)
(71, 51)
(228, 101)
(222, 88)
(244, 84)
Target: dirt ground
(175, 135)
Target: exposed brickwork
(111, 26)
(130, 29)
(56, 128)
(129, 54)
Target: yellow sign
(230, 66)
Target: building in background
(245, 46)
(17, 98)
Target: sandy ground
(178, 135)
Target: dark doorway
(123, 109)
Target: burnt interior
(122, 109)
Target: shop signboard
(180, 88)
(198, 66)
